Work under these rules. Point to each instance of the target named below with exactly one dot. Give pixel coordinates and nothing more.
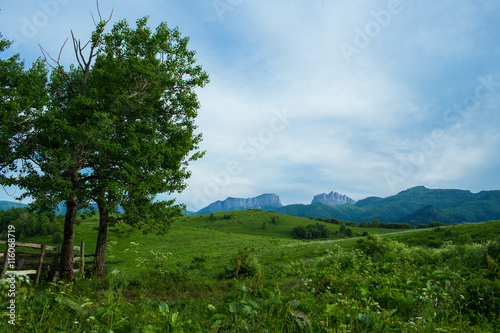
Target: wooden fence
(31, 263)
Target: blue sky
(359, 97)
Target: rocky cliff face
(264, 202)
(333, 198)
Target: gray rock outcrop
(264, 202)
(333, 198)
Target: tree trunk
(67, 249)
(67, 254)
(100, 251)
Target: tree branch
(59, 67)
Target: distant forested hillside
(415, 205)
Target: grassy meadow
(242, 271)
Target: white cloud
(355, 121)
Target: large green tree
(143, 83)
(46, 137)
(117, 129)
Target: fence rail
(31, 263)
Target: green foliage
(371, 245)
(118, 129)
(480, 298)
(29, 224)
(242, 264)
(57, 238)
(379, 285)
(364, 224)
(311, 231)
(396, 226)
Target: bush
(243, 263)
(371, 245)
(311, 231)
(57, 238)
(333, 221)
(481, 297)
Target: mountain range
(270, 201)
(264, 202)
(4, 205)
(417, 205)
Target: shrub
(333, 221)
(57, 238)
(311, 231)
(199, 261)
(243, 263)
(371, 245)
(375, 223)
(480, 297)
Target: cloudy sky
(359, 97)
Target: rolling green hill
(224, 272)
(426, 215)
(453, 205)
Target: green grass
(192, 279)
(219, 239)
(194, 236)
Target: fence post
(6, 262)
(40, 262)
(83, 257)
